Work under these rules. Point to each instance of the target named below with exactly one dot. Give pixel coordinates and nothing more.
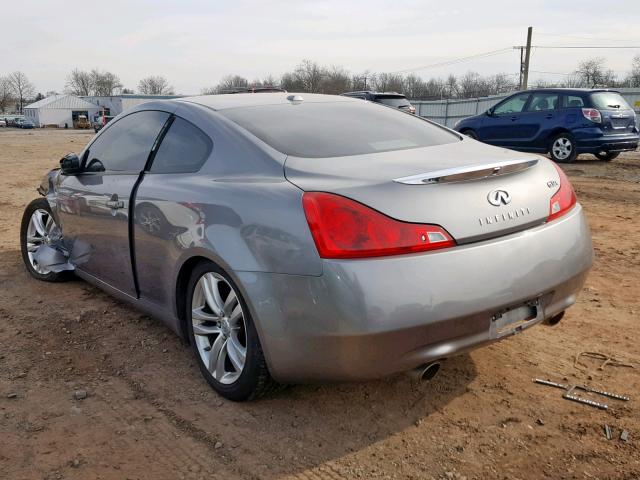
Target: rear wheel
(562, 148)
(223, 336)
(606, 156)
(37, 230)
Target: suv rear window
(336, 129)
(609, 101)
(393, 101)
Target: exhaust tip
(426, 372)
(555, 319)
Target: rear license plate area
(513, 320)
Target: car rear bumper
(608, 143)
(370, 318)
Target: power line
(587, 46)
(455, 60)
(582, 37)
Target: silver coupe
(297, 237)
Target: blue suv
(560, 121)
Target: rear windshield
(609, 101)
(336, 129)
(393, 101)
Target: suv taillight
(344, 228)
(592, 114)
(564, 199)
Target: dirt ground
(148, 413)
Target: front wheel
(562, 148)
(470, 134)
(39, 229)
(224, 339)
(606, 156)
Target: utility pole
(527, 57)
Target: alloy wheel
(562, 148)
(42, 230)
(219, 327)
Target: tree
(336, 80)
(126, 91)
(592, 73)
(104, 84)
(155, 85)
(633, 79)
(21, 87)
(6, 94)
(79, 83)
(388, 82)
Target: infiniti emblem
(499, 197)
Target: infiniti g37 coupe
(293, 238)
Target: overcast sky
(194, 43)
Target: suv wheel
(223, 336)
(607, 156)
(562, 148)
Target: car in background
(3, 123)
(99, 122)
(390, 99)
(26, 124)
(559, 121)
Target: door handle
(514, 118)
(549, 115)
(115, 204)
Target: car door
(537, 121)
(96, 231)
(501, 124)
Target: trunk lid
(450, 185)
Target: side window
(125, 145)
(541, 102)
(512, 105)
(184, 149)
(573, 101)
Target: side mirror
(489, 112)
(70, 164)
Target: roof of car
(221, 102)
(565, 90)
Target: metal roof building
(59, 110)
(116, 104)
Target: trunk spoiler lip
(469, 172)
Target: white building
(116, 104)
(59, 110)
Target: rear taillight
(592, 114)
(344, 228)
(564, 199)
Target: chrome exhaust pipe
(425, 372)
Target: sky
(194, 43)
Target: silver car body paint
(328, 319)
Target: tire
(223, 335)
(39, 206)
(562, 148)
(470, 134)
(607, 156)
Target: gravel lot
(149, 414)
